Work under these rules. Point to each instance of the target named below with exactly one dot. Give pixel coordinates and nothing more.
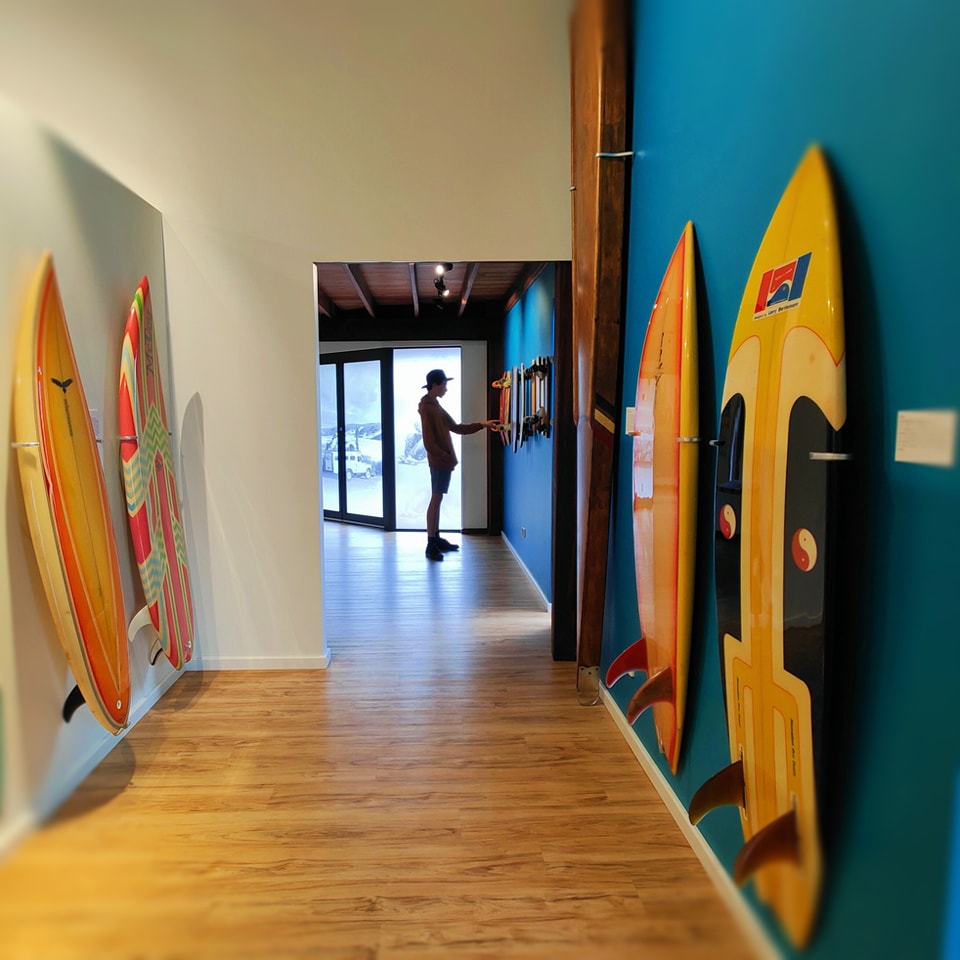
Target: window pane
(328, 436)
(363, 460)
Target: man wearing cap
(437, 427)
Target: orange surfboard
(784, 403)
(66, 502)
(665, 458)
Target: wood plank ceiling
(405, 290)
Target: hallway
(437, 792)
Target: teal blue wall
(528, 473)
(726, 99)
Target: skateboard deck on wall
(598, 132)
(153, 507)
(784, 401)
(537, 419)
(504, 423)
(665, 459)
(67, 509)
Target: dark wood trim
(363, 291)
(471, 275)
(399, 325)
(412, 268)
(524, 283)
(563, 611)
(600, 85)
(325, 305)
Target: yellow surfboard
(784, 401)
(665, 458)
(66, 503)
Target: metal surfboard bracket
(588, 686)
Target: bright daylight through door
(410, 368)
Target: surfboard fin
(73, 703)
(155, 651)
(724, 788)
(658, 688)
(632, 659)
(775, 843)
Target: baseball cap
(435, 376)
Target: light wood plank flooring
(438, 792)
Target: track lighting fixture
(442, 289)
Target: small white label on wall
(628, 422)
(927, 436)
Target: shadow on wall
(33, 704)
(195, 520)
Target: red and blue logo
(782, 287)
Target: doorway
(373, 466)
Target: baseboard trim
(536, 586)
(743, 916)
(320, 662)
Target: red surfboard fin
(657, 689)
(632, 659)
(775, 843)
(723, 789)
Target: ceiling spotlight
(442, 268)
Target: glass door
(410, 368)
(353, 408)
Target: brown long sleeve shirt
(437, 425)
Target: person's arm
(467, 428)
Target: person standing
(437, 425)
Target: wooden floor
(438, 792)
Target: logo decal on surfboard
(781, 288)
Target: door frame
(388, 462)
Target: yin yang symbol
(728, 521)
(804, 549)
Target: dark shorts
(440, 480)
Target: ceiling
(401, 290)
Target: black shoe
(433, 552)
(446, 546)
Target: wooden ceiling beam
(325, 304)
(413, 289)
(524, 282)
(363, 291)
(469, 278)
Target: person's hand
(491, 424)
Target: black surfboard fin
(155, 651)
(632, 659)
(724, 788)
(657, 689)
(775, 843)
(73, 702)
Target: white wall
(103, 239)
(271, 136)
